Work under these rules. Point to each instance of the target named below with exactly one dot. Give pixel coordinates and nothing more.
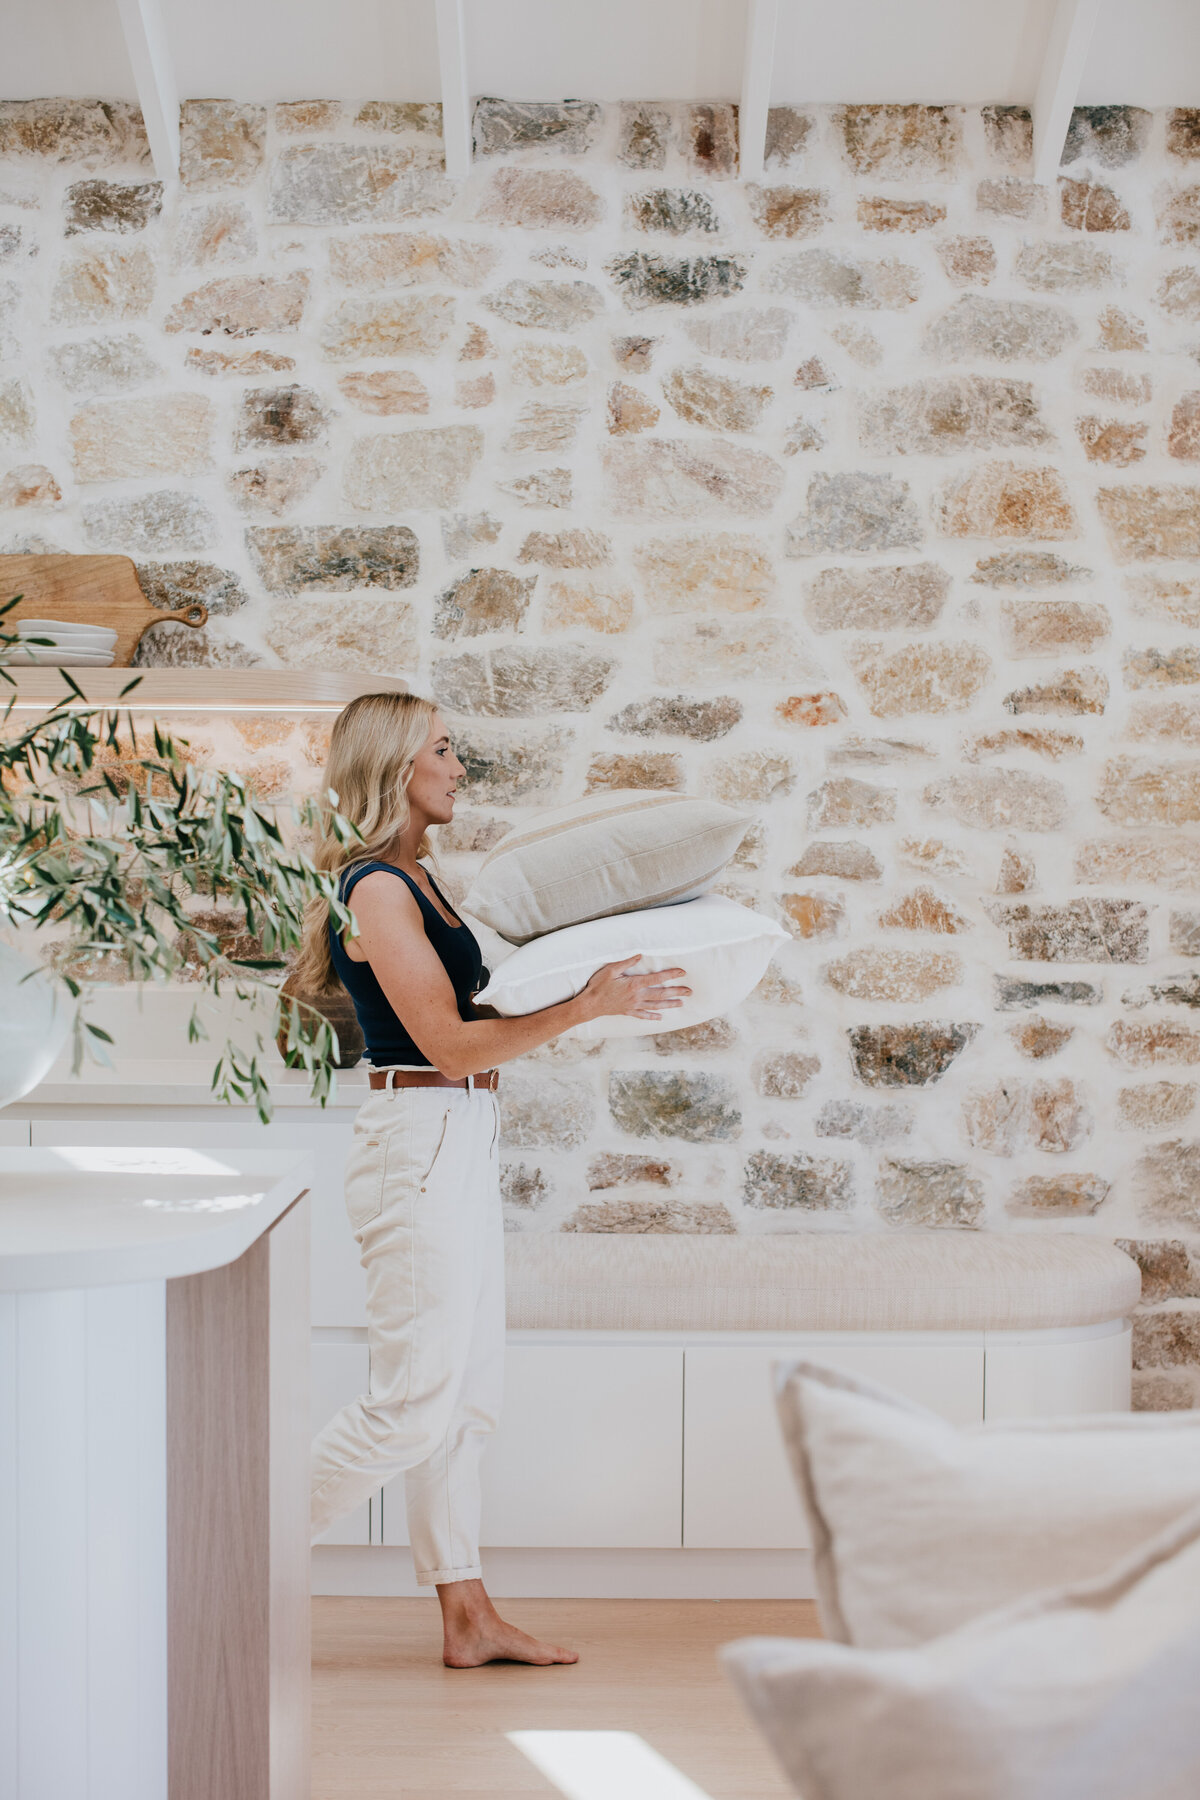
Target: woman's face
(435, 775)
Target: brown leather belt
(425, 1078)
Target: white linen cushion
(724, 947)
(609, 853)
(918, 1526)
(1085, 1693)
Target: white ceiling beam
(456, 92)
(154, 78)
(757, 65)
(1058, 86)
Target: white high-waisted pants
(423, 1195)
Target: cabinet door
(738, 1488)
(14, 1133)
(338, 1283)
(589, 1454)
(340, 1373)
(1034, 1379)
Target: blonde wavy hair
(371, 753)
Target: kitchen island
(154, 1635)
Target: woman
(422, 1181)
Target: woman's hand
(615, 990)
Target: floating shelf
(197, 690)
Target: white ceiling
(1144, 52)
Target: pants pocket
(439, 1142)
(366, 1168)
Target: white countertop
(81, 1217)
(182, 1081)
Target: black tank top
(387, 1040)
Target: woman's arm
(391, 933)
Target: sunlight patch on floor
(604, 1765)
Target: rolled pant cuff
(436, 1577)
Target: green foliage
(107, 845)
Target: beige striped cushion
(815, 1281)
(611, 853)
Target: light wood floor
(390, 1723)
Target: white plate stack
(63, 644)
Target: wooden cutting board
(87, 590)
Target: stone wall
(864, 497)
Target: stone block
(1171, 862)
(1178, 293)
(153, 523)
(1046, 627)
(811, 710)
(1065, 268)
(385, 391)
(545, 1112)
(1168, 1270)
(716, 402)
(518, 683)
(548, 365)
(783, 1074)
(416, 325)
(1013, 993)
(545, 305)
(301, 559)
(1053, 745)
(1027, 569)
(629, 410)
(943, 417)
(676, 211)
(415, 468)
(812, 915)
(95, 134)
(644, 278)
(842, 801)
(918, 678)
(676, 716)
(293, 118)
(401, 116)
(1176, 990)
(1183, 441)
(507, 772)
(710, 141)
(1038, 1038)
(1074, 691)
(575, 549)
(854, 513)
(1183, 133)
(1008, 197)
(1120, 386)
(720, 571)
(16, 413)
(870, 973)
(281, 415)
(830, 278)
(222, 143)
(787, 134)
(168, 434)
(353, 184)
(644, 134)
(399, 259)
(1002, 500)
(1104, 931)
(691, 478)
(1118, 442)
(1161, 668)
(171, 646)
(924, 910)
(479, 391)
(541, 428)
(172, 585)
(694, 1217)
(1000, 331)
(1072, 1196)
(716, 651)
(787, 212)
(1016, 874)
(29, 484)
(544, 487)
(562, 127)
(968, 261)
(1185, 933)
(652, 1103)
(803, 435)
(524, 1185)
(540, 200)
(901, 143)
(1001, 800)
(239, 362)
(908, 597)
(1017, 1116)
(1141, 1046)
(353, 632)
(869, 1125)
(120, 206)
(615, 1168)
(882, 213)
(96, 285)
(222, 232)
(752, 777)
(1139, 792)
(483, 600)
(590, 606)
(929, 1194)
(801, 1182)
(607, 773)
(1154, 1105)
(1167, 1339)
(102, 365)
(241, 305)
(709, 1036)
(1090, 206)
(844, 861)
(1008, 134)
(1108, 136)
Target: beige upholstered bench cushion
(815, 1281)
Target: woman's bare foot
(474, 1632)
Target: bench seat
(815, 1281)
